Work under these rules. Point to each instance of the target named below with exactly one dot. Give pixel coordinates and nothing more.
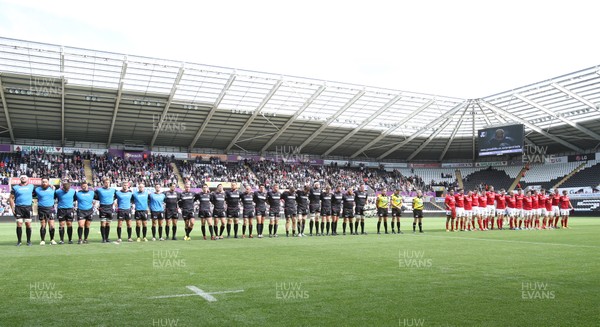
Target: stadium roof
(63, 93)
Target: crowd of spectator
(39, 164)
(152, 170)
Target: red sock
(567, 222)
(520, 223)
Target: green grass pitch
(494, 278)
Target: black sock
(167, 231)
(362, 226)
(243, 229)
(86, 232)
(221, 230)
(275, 229)
(270, 229)
(322, 227)
(378, 227)
(61, 233)
(160, 229)
(144, 231)
(43, 234)
(310, 226)
(187, 233)
(80, 232)
(351, 226)
(414, 227)
(153, 228)
(344, 227)
(119, 230)
(384, 226)
(398, 224)
(316, 227)
(19, 234)
(70, 232)
(102, 232)
(28, 233)
(356, 226)
(129, 231)
(420, 227)
(328, 226)
(174, 231)
(107, 231)
(203, 229)
(210, 230)
(228, 229)
(137, 231)
(250, 229)
(189, 230)
(235, 229)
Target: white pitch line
(197, 292)
(201, 293)
(168, 296)
(223, 292)
(512, 241)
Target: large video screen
(500, 140)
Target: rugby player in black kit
(302, 201)
(204, 212)
(289, 210)
(260, 201)
(314, 196)
(232, 198)
(326, 210)
(218, 201)
(274, 201)
(171, 214)
(186, 203)
(248, 212)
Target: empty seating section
(589, 175)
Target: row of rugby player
(324, 207)
(522, 210)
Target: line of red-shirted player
(523, 211)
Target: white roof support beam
(364, 123)
(392, 129)
(62, 96)
(255, 114)
(429, 139)
(117, 101)
(6, 115)
(212, 111)
(168, 104)
(297, 114)
(501, 112)
(331, 119)
(565, 120)
(419, 132)
(453, 135)
(575, 96)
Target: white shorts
(565, 212)
(555, 211)
(539, 211)
(501, 211)
(491, 210)
(544, 212)
(460, 212)
(484, 211)
(449, 213)
(518, 212)
(526, 214)
(475, 211)
(468, 213)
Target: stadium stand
(588, 176)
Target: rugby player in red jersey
(565, 208)
(519, 209)
(527, 207)
(468, 211)
(450, 203)
(483, 212)
(460, 208)
(548, 211)
(511, 204)
(534, 210)
(500, 208)
(476, 215)
(555, 209)
(491, 210)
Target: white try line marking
(512, 241)
(197, 292)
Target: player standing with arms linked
(360, 199)
(45, 197)
(21, 198)
(141, 198)
(66, 198)
(85, 210)
(157, 211)
(124, 200)
(186, 203)
(204, 212)
(105, 195)
(172, 198)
